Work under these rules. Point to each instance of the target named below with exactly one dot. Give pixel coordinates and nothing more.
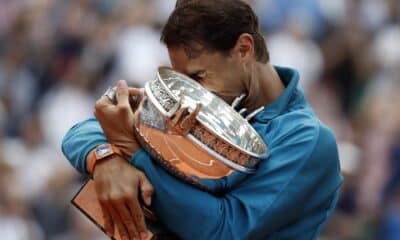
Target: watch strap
(100, 152)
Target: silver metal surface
(242, 111)
(111, 94)
(230, 163)
(160, 104)
(255, 112)
(171, 89)
(237, 100)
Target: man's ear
(244, 48)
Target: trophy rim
(243, 122)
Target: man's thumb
(122, 93)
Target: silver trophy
(193, 133)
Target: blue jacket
(291, 195)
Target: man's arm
(271, 197)
(80, 140)
(83, 137)
(118, 200)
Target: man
(294, 190)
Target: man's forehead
(182, 63)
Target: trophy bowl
(193, 133)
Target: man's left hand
(117, 120)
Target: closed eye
(199, 75)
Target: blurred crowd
(58, 56)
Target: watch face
(103, 151)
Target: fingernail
(143, 235)
(148, 201)
(121, 83)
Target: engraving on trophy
(151, 117)
(162, 96)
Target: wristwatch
(101, 152)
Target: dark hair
(212, 25)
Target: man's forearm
(83, 137)
(80, 140)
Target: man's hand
(118, 185)
(117, 120)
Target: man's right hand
(118, 185)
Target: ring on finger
(111, 94)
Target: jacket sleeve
(80, 140)
(263, 200)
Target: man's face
(220, 74)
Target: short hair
(213, 25)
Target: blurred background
(58, 56)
